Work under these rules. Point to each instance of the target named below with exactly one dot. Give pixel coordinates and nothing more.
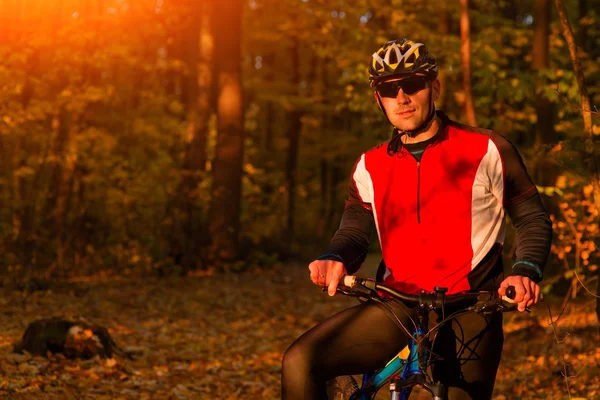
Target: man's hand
(327, 273)
(528, 292)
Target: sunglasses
(409, 86)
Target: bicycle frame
(413, 370)
(409, 371)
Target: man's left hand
(528, 292)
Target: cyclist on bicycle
(436, 192)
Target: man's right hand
(327, 273)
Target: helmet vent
(399, 58)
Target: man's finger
(529, 303)
(502, 288)
(336, 274)
(527, 294)
(318, 272)
(520, 291)
(322, 279)
(332, 287)
(537, 293)
(314, 272)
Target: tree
(185, 240)
(224, 213)
(583, 31)
(465, 51)
(294, 127)
(544, 132)
(589, 153)
(444, 28)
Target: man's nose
(401, 97)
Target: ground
(222, 336)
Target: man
(436, 193)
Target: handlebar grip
(349, 280)
(511, 292)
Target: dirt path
(223, 336)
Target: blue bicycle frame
(407, 368)
(404, 374)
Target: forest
(200, 151)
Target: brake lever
(353, 292)
(509, 304)
(509, 300)
(498, 305)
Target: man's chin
(408, 124)
(406, 128)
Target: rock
(71, 338)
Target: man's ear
(436, 88)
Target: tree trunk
(465, 50)
(336, 175)
(55, 201)
(202, 105)
(53, 213)
(444, 28)
(269, 127)
(5, 171)
(321, 87)
(589, 153)
(509, 9)
(270, 186)
(583, 28)
(323, 185)
(186, 238)
(224, 214)
(294, 127)
(60, 136)
(269, 62)
(545, 135)
(173, 53)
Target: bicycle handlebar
(432, 300)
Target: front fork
(400, 388)
(414, 372)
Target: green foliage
(576, 228)
(93, 117)
(89, 115)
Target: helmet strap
(381, 107)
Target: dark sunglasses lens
(389, 89)
(412, 86)
(409, 86)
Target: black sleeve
(350, 243)
(525, 209)
(518, 186)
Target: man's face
(406, 100)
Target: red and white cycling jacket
(441, 220)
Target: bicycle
(404, 374)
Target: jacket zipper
(419, 191)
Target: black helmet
(399, 58)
